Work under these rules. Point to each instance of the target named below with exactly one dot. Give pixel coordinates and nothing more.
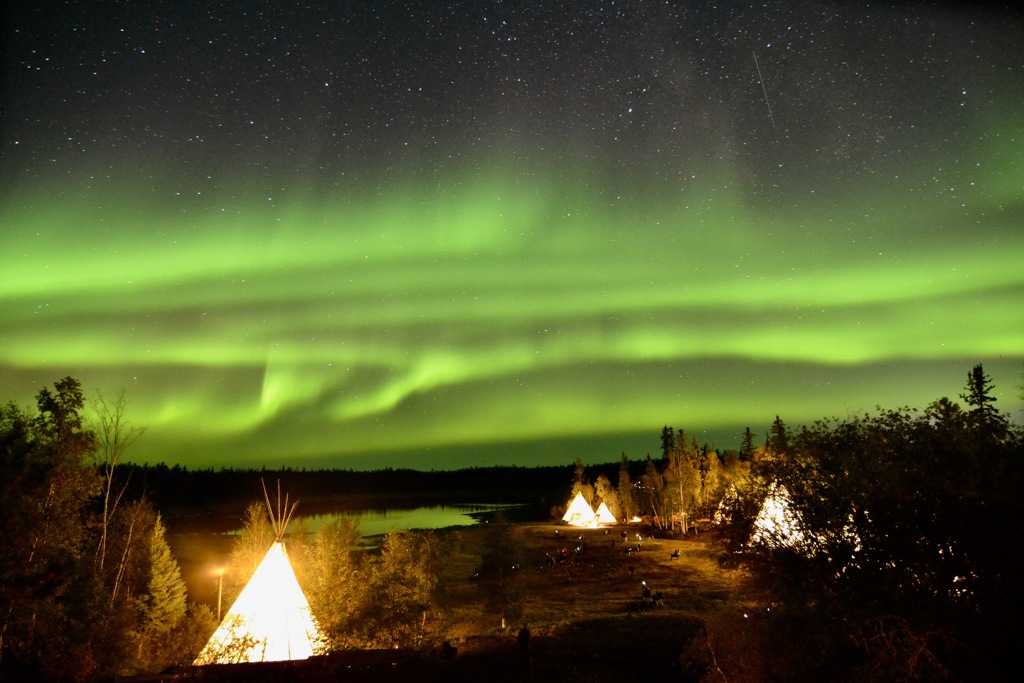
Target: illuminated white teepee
(777, 525)
(604, 515)
(270, 620)
(579, 513)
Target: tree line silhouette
(906, 565)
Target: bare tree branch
(113, 437)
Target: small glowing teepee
(604, 515)
(270, 620)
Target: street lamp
(219, 571)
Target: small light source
(219, 571)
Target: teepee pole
(279, 522)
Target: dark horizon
(534, 453)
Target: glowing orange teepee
(270, 620)
(579, 513)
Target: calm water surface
(376, 522)
(380, 521)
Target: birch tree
(113, 437)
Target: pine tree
(778, 438)
(747, 446)
(580, 483)
(978, 395)
(165, 600)
(668, 441)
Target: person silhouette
(523, 640)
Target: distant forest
(177, 490)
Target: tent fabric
(579, 513)
(777, 525)
(604, 515)
(270, 620)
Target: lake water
(377, 522)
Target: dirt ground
(608, 608)
(586, 608)
(592, 576)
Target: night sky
(362, 234)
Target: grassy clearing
(587, 611)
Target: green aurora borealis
(520, 307)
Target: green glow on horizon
(504, 307)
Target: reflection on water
(377, 522)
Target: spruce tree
(747, 446)
(165, 600)
(978, 395)
(778, 438)
(580, 483)
(668, 441)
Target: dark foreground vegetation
(895, 557)
(907, 564)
